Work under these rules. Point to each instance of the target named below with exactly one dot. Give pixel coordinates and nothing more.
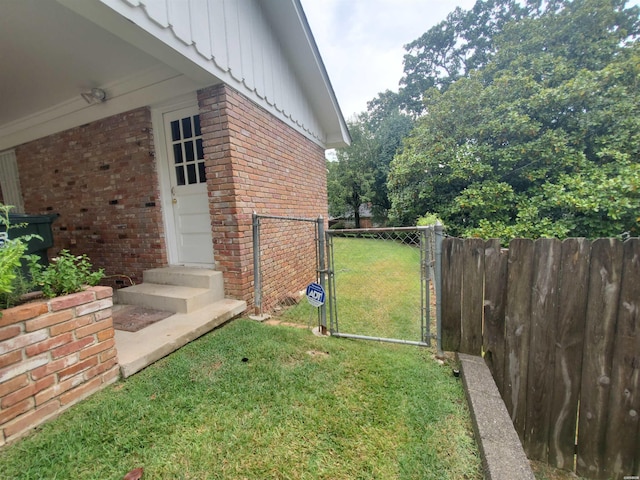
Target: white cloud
(362, 42)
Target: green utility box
(40, 225)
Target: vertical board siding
(495, 297)
(559, 326)
(517, 330)
(451, 292)
(624, 404)
(544, 312)
(600, 323)
(569, 342)
(472, 296)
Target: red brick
(72, 347)
(58, 389)
(101, 368)
(95, 349)
(10, 332)
(106, 355)
(102, 292)
(10, 358)
(70, 325)
(47, 320)
(49, 344)
(28, 391)
(106, 334)
(18, 409)
(13, 385)
(98, 305)
(112, 375)
(21, 367)
(94, 328)
(53, 367)
(32, 419)
(77, 368)
(22, 313)
(73, 300)
(81, 391)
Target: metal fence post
(322, 271)
(257, 277)
(438, 231)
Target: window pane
(201, 171)
(200, 149)
(188, 151)
(175, 130)
(191, 173)
(177, 153)
(186, 127)
(180, 175)
(196, 121)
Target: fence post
(438, 231)
(322, 271)
(257, 277)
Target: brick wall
(256, 162)
(101, 178)
(52, 355)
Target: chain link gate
(380, 284)
(288, 253)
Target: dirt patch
(132, 318)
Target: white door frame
(163, 166)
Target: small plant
(65, 274)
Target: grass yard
(377, 289)
(251, 401)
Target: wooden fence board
(451, 293)
(544, 312)
(572, 306)
(624, 406)
(472, 296)
(600, 323)
(495, 297)
(517, 313)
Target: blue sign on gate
(315, 294)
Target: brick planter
(52, 355)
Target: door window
(188, 152)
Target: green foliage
(541, 137)
(65, 274)
(429, 219)
(360, 174)
(13, 283)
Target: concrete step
(185, 277)
(171, 298)
(136, 350)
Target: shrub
(65, 274)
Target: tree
(542, 138)
(463, 42)
(350, 179)
(360, 174)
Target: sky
(361, 42)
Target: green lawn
(255, 401)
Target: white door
(189, 200)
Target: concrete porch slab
(137, 350)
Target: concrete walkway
(137, 350)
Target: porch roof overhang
(54, 50)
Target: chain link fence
(286, 258)
(382, 283)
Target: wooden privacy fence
(558, 324)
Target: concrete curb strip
(503, 457)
